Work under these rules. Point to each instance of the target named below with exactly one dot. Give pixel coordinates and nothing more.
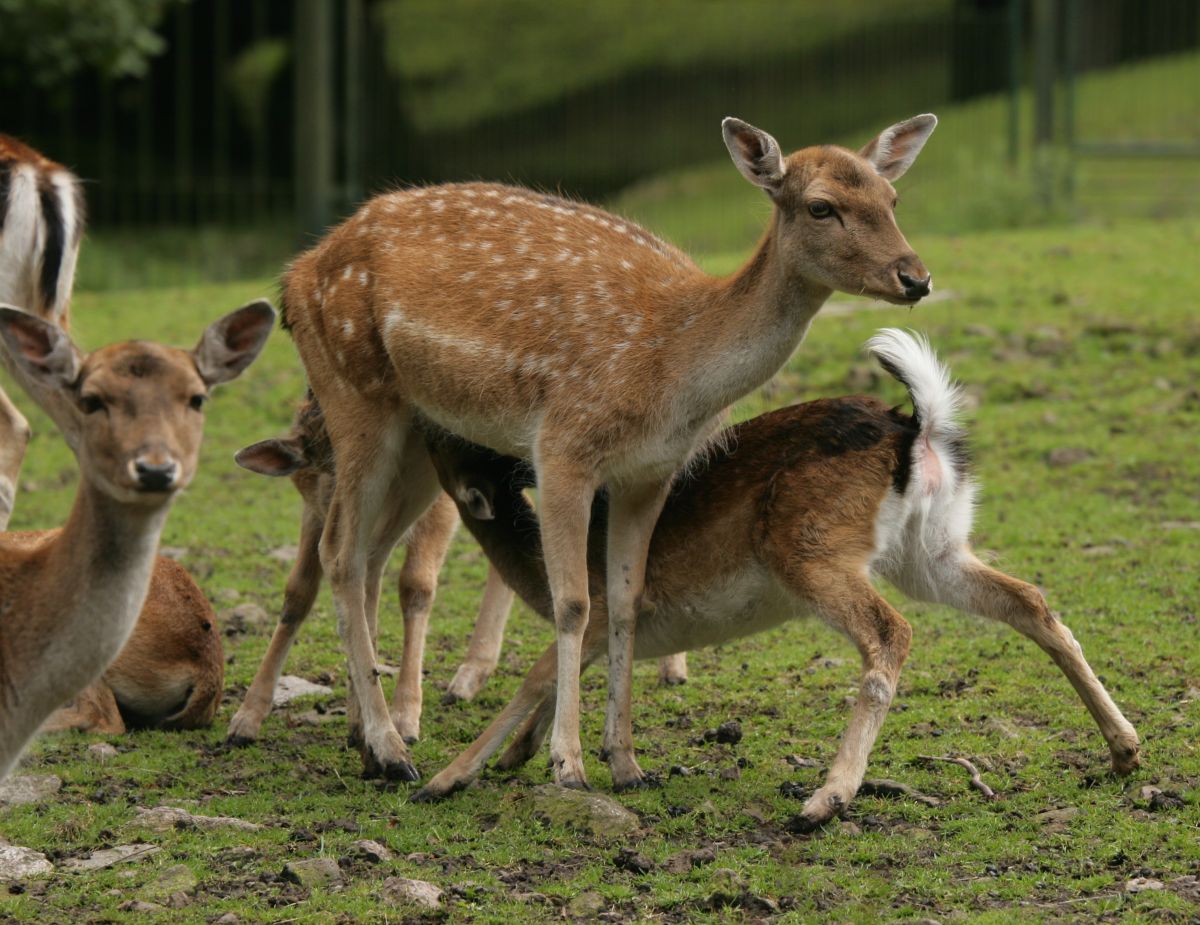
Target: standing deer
(171, 672)
(788, 517)
(133, 413)
(557, 332)
(41, 224)
(306, 456)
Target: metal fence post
(314, 138)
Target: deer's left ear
(755, 153)
(231, 344)
(894, 149)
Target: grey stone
(284, 553)
(245, 616)
(102, 752)
(17, 863)
(172, 881)
(313, 872)
(168, 818)
(290, 687)
(1143, 884)
(24, 789)
(107, 857)
(138, 905)
(227, 919)
(595, 813)
(586, 905)
(401, 890)
(371, 850)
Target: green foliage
(49, 41)
(1083, 338)
(251, 76)
(465, 60)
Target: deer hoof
(1126, 759)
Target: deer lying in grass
(788, 517)
(133, 415)
(305, 455)
(41, 224)
(557, 332)
(169, 675)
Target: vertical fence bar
(313, 73)
(183, 116)
(220, 192)
(1045, 46)
(352, 53)
(1074, 24)
(1015, 48)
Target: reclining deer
(787, 517)
(305, 456)
(133, 415)
(41, 224)
(557, 332)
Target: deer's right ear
(41, 353)
(755, 153)
(272, 457)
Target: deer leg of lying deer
(94, 709)
(850, 603)
(298, 597)
(483, 651)
(969, 585)
(428, 543)
(14, 438)
(632, 513)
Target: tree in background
(49, 41)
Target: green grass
(1083, 338)
(962, 181)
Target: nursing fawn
(789, 516)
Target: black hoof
(801, 824)
(236, 741)
(410, 740)
(646, 782)
(672, 682)
(449, 699)
(425, 795)
(581, 785)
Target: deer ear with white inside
(41, 353)
(755, 153)
(231, 344)
(893, 150)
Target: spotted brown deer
(554, 331)
(170, 674)
(786, 517)
(133, 413)
(306, 457)
(41, 224)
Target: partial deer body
(787, 517)
(169, 675)
(306, 456)
(133, 415)
(557, 332)
(41, 224)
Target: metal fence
(269, 111)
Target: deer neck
(756, 318)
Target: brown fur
(555, 331)
(796, 497)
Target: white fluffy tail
(937, 401)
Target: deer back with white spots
(556, 331)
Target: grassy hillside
(1081, 347)
(963, 182)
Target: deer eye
(196, 402)
(91, 404)
(819, 208)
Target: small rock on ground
(586, 905)
(629, 859)
(602, 816)
(101, 752)
(107, 857)
(1143, 884)
(168, 818)
(24, 789)
(401, 890)
(313, 872)
(17, 863)
(371, 851)
(290, 687)
(174, 880)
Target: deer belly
(746, 603)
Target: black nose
(915, 288)
(155, 476)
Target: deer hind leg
(850, 603)
(483, 651)
(673, 669)
(298, 597)
(14, 438)
(379, 477)
(632, 514)
(94, 709)
(428, 543)
(565, 495)
(969, 585)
